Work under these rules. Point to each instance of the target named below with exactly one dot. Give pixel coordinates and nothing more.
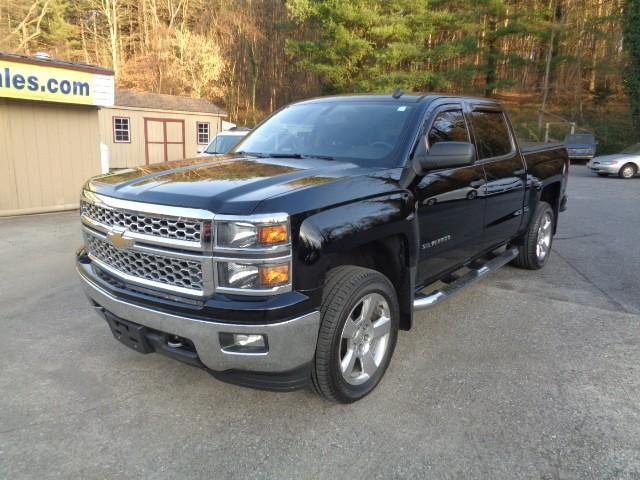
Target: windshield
(633, 149)
(584, 138)
(223, 143)
(369, 134)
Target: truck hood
(228, 185)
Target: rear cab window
(493, 138)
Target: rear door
(505, 173)
(450, 205)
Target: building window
(121, 130)
(203, 133)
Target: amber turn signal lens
(273, 234)
(274, 276)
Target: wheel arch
(551, 194)
(632, 164)
(389, 256)
(380, 234)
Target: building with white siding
(146, 128)
(63, 122)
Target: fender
(327, 236)
(544, 168)
(380, 232)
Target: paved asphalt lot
(526, 375)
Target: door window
(492, 134)
(449, 126)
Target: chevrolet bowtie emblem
(118, 240)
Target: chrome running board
(422, 301)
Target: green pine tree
(364, 45)
(632, 46)
(377, 45)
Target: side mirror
(444, 155)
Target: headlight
(609, 162)
(256, 254)
(251, 276)
(236, 234)
(251, 235)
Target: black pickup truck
(297, 258)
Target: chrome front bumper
(291, 343)
(599, 168)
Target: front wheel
(536, 244)
(628, 171)
(358, 333)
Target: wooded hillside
(574, 57)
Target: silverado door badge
(436, 242)
(118, 240)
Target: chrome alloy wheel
(544, 237)
(628, 171)
(365, 339)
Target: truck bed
(536, 147)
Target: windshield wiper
(251, 154)
(300, 155)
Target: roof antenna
(397, 93)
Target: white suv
(223, 142)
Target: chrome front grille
(167, 249)
(175, 272)
(189, 230)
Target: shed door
(164, 139)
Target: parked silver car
(626, 164)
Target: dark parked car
(297, 259)
(581, 146)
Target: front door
(164, 139)
(450, 203)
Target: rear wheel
(536, 245)
(358, 333)
(628, 171)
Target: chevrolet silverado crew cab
(298, 257)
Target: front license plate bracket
(130, 334)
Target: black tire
(344, 289)
(528, 257)
(628, 170)
(600, 174)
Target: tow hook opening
(174, 341)
(178, 343)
